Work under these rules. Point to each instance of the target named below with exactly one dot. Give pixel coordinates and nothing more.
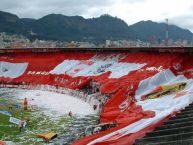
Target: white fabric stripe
(164, 77)
(12, 70)
(162, 106)
(117, 69)
(64, 66)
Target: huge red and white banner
(144, 89)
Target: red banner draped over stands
(123, 77)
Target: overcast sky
(179, 12)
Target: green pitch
(38, 123)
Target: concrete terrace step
(178, 142)
(183, 115)
(164, 138)
(189, 107)
(177, 131)
(178, 120)
(191, 104)
(170, 131)
(176, 125)
(184, 112)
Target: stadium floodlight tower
(167, 32)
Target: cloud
(39, 8)
(183, 21)
(177, 11)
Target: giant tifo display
(142, 90)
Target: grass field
(51, 115)
(8, 128)
(38, 123)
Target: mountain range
(69, 28)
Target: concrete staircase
(177, 131)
